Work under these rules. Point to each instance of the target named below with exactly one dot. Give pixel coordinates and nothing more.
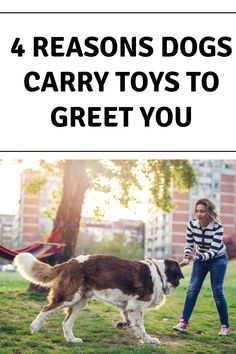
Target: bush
(230, 243)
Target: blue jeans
(217, 268)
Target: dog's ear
(172, 270)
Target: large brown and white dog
(132, 286)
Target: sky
(9, 186)
(10, 170)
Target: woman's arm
(189, 245)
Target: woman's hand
(184, 262)
(191, 257)
(187, 259)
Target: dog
(132, 286)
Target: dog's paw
(122, 325)
(150, 340)
(75, 340)
(35, 326)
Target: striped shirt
(208, 241)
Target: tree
(230, 243)
(78, 176)
(119, 246)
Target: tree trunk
(75, 184)
(68, 216)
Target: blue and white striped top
(208, 241)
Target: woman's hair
(210, 209)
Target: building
(165, 233)
(106, 230)
(32, 223)
(8, 234)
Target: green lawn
(96, 325)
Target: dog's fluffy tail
(35, 271)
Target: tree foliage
(119, 246)
(164, 173)
(120, 179)
(230, 243)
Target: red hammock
(53, 244)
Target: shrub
(230, 243)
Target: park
(96, 324)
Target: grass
(96, 324)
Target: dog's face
(173, 275)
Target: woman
(206, 232)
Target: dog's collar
(159, 273)
(158, 270)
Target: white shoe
(181, 326)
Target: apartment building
(32, 223)
(131, 229)
(8, 234)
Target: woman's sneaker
(181, 326)
(224, 331)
